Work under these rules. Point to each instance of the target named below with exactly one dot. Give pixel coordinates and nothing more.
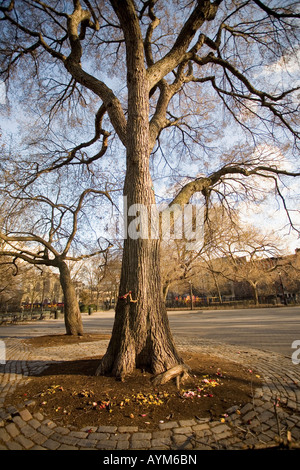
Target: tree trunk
(166, 288)
(141, 335)
(217, 287)
(255, 292)
(72, 314)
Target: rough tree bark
(73, 322)
(141, 334)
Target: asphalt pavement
(269, 329)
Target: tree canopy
(207, 66)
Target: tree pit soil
(63, 340)
(70, 394)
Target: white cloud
(288, 64)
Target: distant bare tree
(11, 289)
(247, 255)
(43, 231)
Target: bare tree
(230, 252)
(286, 277)
(186, 66)
(246, 254)
(101, 276)
(177, 263)
(44, 232)
(11, 289)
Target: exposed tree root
(179, 372)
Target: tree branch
(29, 237)
(204, 183)
(276, 14)
(80, 18)
(204, 11)
(265, 99)
(76, 212)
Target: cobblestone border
(273, 413)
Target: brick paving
(272, 414)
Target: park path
(273, 414)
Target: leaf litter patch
(69, 393)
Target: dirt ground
(70, 394)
